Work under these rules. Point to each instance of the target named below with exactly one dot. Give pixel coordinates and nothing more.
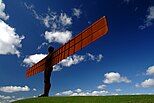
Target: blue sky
(119, 63)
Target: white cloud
(65, 20)
(34, 89)
(82, 93)
(5, 97)
(9, 40)
(57, 68)
(46, 21)
(32, 59)
(137, 85)
(77, 12)
(57, 23)
(29, 6)
(151, 13)
(146, 84)
(150, 71)
(3, 15)
(16, 99)
(40, 46)
(99, 93)
(78, 90)
(8, 99)
(69, 61)
(118, 90)
(101, 87)
(149, 18)
(51, 19)
(11, 89)
(60, 37)
(99, 58)
(67, 92)
(76, 59)
(114, 77)
(93, 57)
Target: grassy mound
(92, 99)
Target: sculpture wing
(87, 36)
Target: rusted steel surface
(87, 36)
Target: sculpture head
(50, 49)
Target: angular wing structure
(87, 36)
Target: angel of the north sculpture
(84, 38)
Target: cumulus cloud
(66, 93)
(5, 97)
(78, 90)
(57, 36)
(150, 71)
(99, 93)
(10, 41)
(11, 89)
(3, 15)
(33, 59)
(114, 77)
(149, 18)
(75, 59)
(82, 93)
(9, 99)
(146, 84)
(101, 87)
(58, 24)
(69, 61)
(77, 12)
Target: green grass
(92, 99)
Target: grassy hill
(92, 99)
